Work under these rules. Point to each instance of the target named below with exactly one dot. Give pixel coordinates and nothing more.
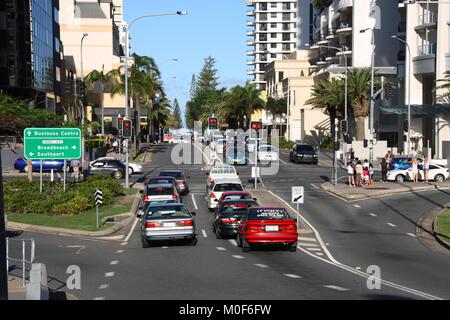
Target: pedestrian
(354, 163)
(359, 173)
(413, 153)
(366, 175)
(415, 170)
(426, 169)
(115, 146)
(75, 164)
(351, 174)
(371, 174)
(384, 170)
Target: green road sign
(52, 143)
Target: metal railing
(427, 18)
(23, 259)
(8, 140)
(426, 49)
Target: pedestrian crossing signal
(256, 125)
(127, 129)
(120, 124)
(213, 123)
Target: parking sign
(298, 195)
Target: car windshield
(268, 214)
(167, 212)
(222, 187)
(305, 148)
(175, 174)
(223, 170)
(237, 197)
(235, 208)
(159, 191)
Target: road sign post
(3, 263)
(98, 199)
(298, 197)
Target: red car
(268, 225)
(234, 195)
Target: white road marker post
(98, 198)
(298, 197)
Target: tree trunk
(102, 101)
(30, 170)
(360, 128)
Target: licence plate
(170, 224)
(272, 228)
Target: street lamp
(127, 53)
(409, 92)
(372, 98)
(82, 102)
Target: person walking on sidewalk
(415, 170)
(359, 173)
(384, 170)
(371, 174)
(351, 175)
(426, 169)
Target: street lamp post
(127, 53)
(409, 93)
(82, 102)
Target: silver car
(167, 221)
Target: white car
(133, 167)
(221, 172)
(437, 173)
(219, 186)
(267, 153)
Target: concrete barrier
(37, 288)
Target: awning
(421, 110)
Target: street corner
(428, 233)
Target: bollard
(37, 288)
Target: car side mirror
(193, 213)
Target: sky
(212, 27)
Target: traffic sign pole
(40, 177)
(3, 262)
(65, 171)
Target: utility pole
(3, 271)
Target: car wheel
(145, 243)
(218, 235)
(400, 178)
(118, 175)
(193, 241)
(130, 171)
(439, 178)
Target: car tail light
(254, 228)
(150, 225)
(227, 220)
(288, 227)
(212, 196)
(146, 198)
(185, 223)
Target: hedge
(22, 196)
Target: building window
(273, 55)
(273, 15)
(57, 47)
(286, 36)
(273, 25)
(273, 35)
(263, 6)
(273, 45)
(56, 14)
(286, 16)
(286, 6)
(273, 4)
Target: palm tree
(103, 79)
(444, 95)
(277, 107)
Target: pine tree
(207, 79)
(178, 122)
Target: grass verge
(443, 225)
(85, 221)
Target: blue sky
(212, 27)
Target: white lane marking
(114, 262)
(314, 186)
(342, 266)
(124, 243)
(99, 298)
(132, 230)
(233, 242)
(314, 249)
(104, 286)
(356, 206)
(194, 202)
(307, 239)
(259, 265)
(109, 274)
(165, 247)
(238, 257)
(336, 288)
(373, 214)
(120, 251)
(319, 253)
(391, 225)
(221, 249)
(412, 235)
(80, 248)
(308, 244)
(204, 234)
(282, 161)
(293, 276)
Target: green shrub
(24, 197)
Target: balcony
(251, 72)
(425, 61)
(251, 33)
(251, 52)
(426, 49)
(426, 21)
(250, 23)
(251, 42)
(344, 28)
(249, 2)
(345, 4)
(250, 13)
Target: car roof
(239, 200)
(227, 180)
(162, 204)
(161, 178)
(171, 170)
(236, 192)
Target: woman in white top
(415, 170)
(351, 175)
(426, 169)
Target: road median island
(381, 189)
(118, 212)
(266, 198)
(441, 228)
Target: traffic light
(213, 123)
(256, 125)
(405, 125)
(120, 124)
(344, 126)
(127, 128)
(366, 143)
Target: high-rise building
(30, 51)
(273, 34)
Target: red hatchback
(268, 225)
(234, 195)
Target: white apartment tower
(273, 34)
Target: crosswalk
(310, 244)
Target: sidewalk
(381, 189)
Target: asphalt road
(218, 269)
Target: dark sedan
(228, 216)
(115, 168)
(180, 176)
(303, 153)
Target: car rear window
(167, 212)
(160, 191)
(223, 170)
(222, 187)
(160, 181)
(237, 197)
(175, 174)
(305, 148)
(268, 214)
(235, 208)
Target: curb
(69, 232)
(437, 237)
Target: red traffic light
(127, 131)
(213, 123)
(256, 125)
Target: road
(355, 235)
